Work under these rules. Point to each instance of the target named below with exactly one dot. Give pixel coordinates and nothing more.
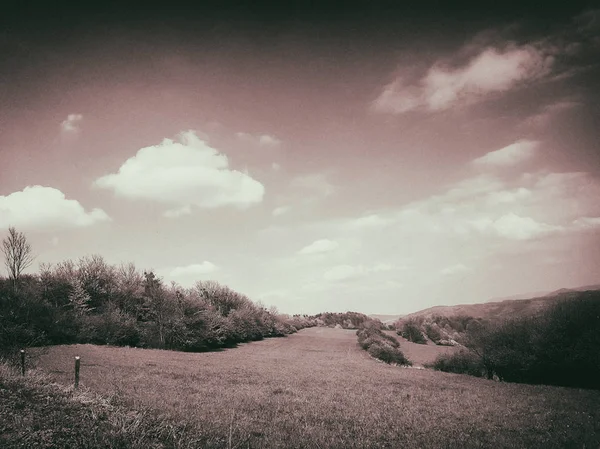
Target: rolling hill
(506, 308)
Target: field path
(318, 389)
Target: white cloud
(319, 247)
(280, 210)
(587, 223)
(492, 70)
(371, 221)
(200, 269)
(71, 123)
(455, 269)
(509, 155)
(39, 207)
(515, 227)
(345, 272)
(179, 212)
(185, 173)
(264, 140)
(528, 207)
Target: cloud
(319, 247)
(45, 208)
(275, 166)
(491, 71)
(509, 155)
(549, 112)
(201, 269)
(280, 210)
(179, 212)
(264, 140)
(314, 182)
(587, 223)
(514, 227)
(454, 269)
(184, 173)
(71, 123)
(526, 207)
(344, 272)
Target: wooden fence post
(77, 362)
(22, 362)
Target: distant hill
(506, 308)
(386, 318)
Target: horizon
(377, 159)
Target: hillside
(507, 308)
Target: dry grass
(317, 389)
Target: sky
(371, 157)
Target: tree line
(92, 301)
(558, 346)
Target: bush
(381, 345)
(462, 362)
(558, 347)
(387, 353)
(412, 332)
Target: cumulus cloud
(45, 208)
(491, 71)
(264, 140)
(455, 269)
(71, 123)
(184, 173)
(319, 247)
(527, 207)
(509, 155)
(199, 269)
(514, 227)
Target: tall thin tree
(18, 255)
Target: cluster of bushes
(557, 347)
(346, 320)
(442, 330)
(380, 345)
(90, 301)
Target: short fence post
(77, 361)
(22, 362)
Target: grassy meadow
(318, 389)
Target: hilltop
(508, 307)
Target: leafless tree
(17, 254)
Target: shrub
(461, 362)
(387, 353)
(412, 332)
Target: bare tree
(17, 254)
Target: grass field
(421, 354)
(318, 389)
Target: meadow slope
(318, 389)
